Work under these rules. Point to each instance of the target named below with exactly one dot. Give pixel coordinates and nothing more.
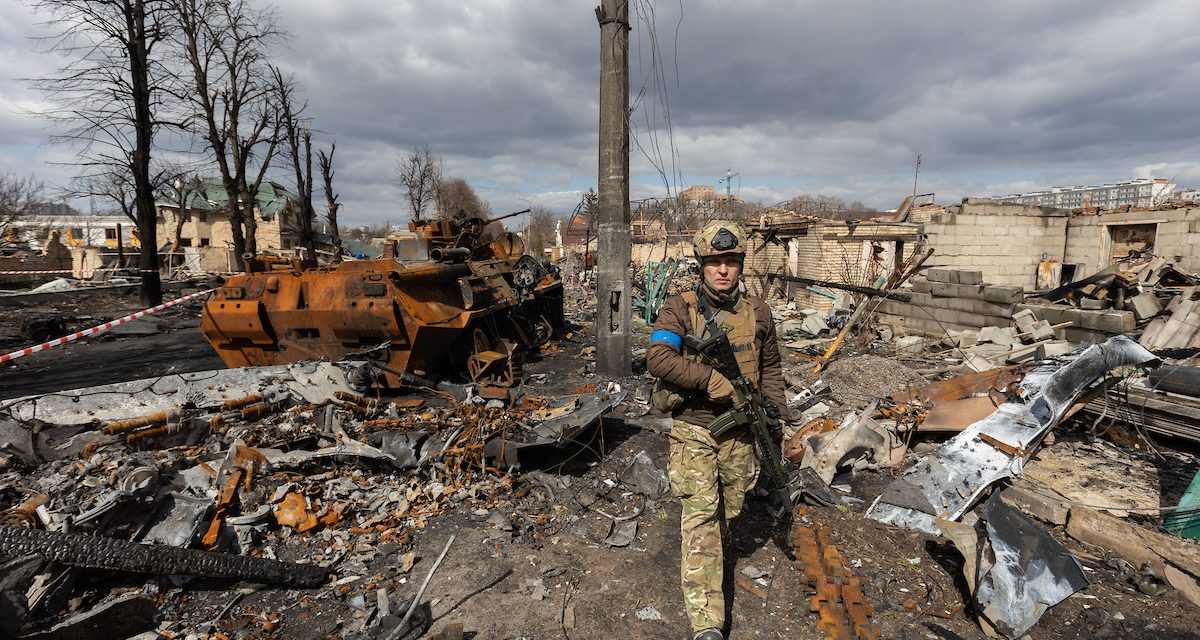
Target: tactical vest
(739, 326)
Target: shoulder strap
(710, 322)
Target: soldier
(711, 477)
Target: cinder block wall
(1004, 241)
(1089, 243)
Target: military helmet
(720, 238)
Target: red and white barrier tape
(53, 271)
(82, 271)
(99, 328)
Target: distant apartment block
(1190, 195)
(1143, 192)
(697, 193)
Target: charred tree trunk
(139, 66)
(331, 199)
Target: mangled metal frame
(946, 483)
(556, 433)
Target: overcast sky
(797, 97)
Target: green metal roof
(210, 195)
(354, 247)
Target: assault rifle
(748, 410)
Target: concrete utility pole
(612, 240)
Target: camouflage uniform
(711, 478)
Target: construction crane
(729, 176)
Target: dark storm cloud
(795, 96)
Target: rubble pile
(283, 463)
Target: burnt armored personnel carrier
(469, 306)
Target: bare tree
(539, 233)
(109, 96)
(225, 44)
(418, 175)
(183, 188)
(297, 140)
(18, 197)
(325, 161)
(455, 198)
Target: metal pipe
(449, 254)
(429, 272)
(871, 291)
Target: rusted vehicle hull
(459, 314)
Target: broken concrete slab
(1144, 306)
(1041, 330)
(814, 325)
(1053, 349)
(946, 483)
(1024, 320)
(910, 344)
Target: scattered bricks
(1037, 501)
(968, 277)
(1054, 313)
(978, 363)
(1041, 330)
(1005, 336)
(1003, 294)
(938, 275)
(1053, 348)
(910, 344)
(1024, 320)
(1092, 304)
(988, 334)
(1107, 321)
(1144, 306)
(922, 286)
(1023, 353)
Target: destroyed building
(981, 454)
(205, 237)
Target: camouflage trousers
(711, 479)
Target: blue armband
(666, 337)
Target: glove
(720, 389)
